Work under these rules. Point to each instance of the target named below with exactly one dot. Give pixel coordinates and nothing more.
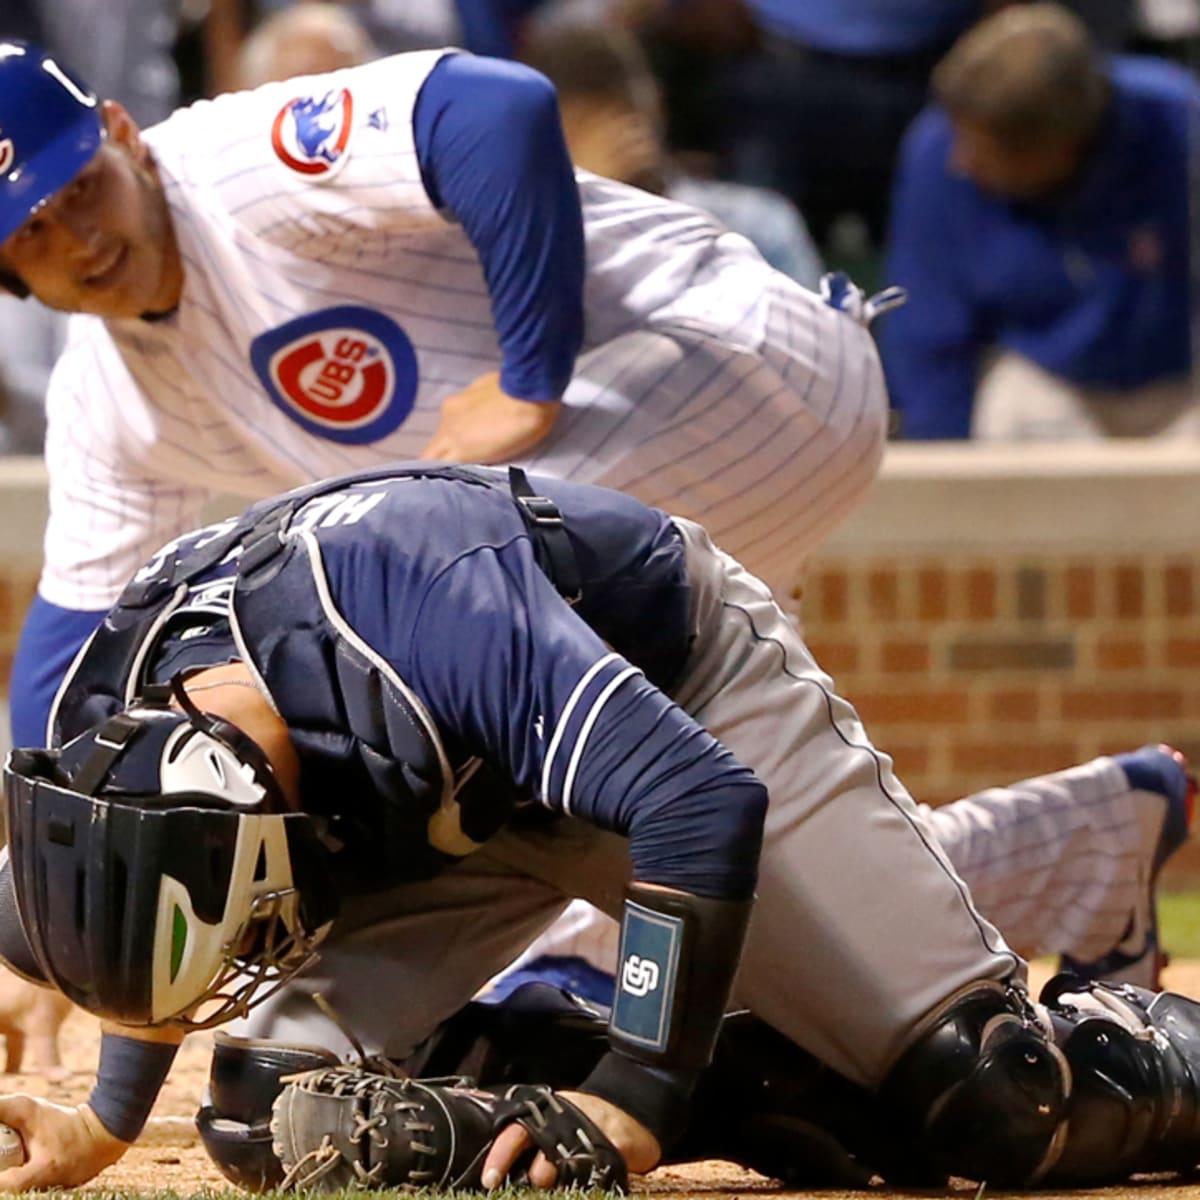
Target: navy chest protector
(374, 768)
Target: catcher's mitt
(344, 1126)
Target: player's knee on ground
(983, 1087)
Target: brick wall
(984, 669)
(994, 614)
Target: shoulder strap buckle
(556, 555)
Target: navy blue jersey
(439, 578)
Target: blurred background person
(30, 340)
(306, 39)
(613, 120)
(1167, 27)
(817, 110)
(20, 20)
(1041, 224)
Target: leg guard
(983, 1091)
(235, 1125)
(1135, 1063)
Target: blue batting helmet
(50, 128)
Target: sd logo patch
(345, 373)
(645, 992)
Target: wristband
(128, 1080)
(654, 1096)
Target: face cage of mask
(246, 977)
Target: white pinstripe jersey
(327, 311)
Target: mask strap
(109, 744)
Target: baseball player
(446, 700)
(392, 261)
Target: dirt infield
(169, 1156)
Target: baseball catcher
(367, 739)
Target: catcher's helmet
(156, 871)
(50, 128)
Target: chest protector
(374, 769)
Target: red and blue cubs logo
(311, 133)
(7, 155)
(346, 373)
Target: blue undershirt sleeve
(492, 155)
(50, 639)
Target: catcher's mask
(158, 877)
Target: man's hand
(63, 1146)
(638, 1146)
(481, 424)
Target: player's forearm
(694, 816)
(692, 812)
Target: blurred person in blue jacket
(1041, 224)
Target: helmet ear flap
(242, 745)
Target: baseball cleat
(1138, 958)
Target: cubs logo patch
(7, 155)
(346, 373)
(310, 134)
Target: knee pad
(983, 1088)
(235, 1125)
(1135, 1065)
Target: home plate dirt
(169, 1155)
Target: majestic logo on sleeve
(310, 133)
(345, 373)
(7, 155)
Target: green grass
(1179, 923)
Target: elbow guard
(679, 954)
